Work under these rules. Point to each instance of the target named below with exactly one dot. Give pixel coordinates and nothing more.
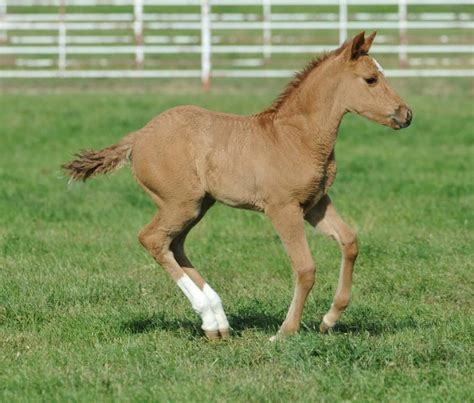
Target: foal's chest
(318, 184)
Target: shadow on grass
(362, 321)
(365, 320)
(160, 322)
(246, 320)
(239, 322)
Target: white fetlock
(200, 303)
(217, 308)
(209, 322)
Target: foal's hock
(280, 162)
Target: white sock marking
(216, 306)
(200, 303)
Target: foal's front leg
(325, 218)
(289, 223)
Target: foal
(280, 162)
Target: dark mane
(299, 78)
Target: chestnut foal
(280, 162)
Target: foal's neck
(314, 111)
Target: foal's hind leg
(177, 247)
(157, 237)
(324, 217)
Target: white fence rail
(33, 34)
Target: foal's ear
(368, 42)
(356, 46)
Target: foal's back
(188, 151)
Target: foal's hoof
(324, 327)
(225, 333)
(278, 337)
(282, 334)
(275, 338)
(212, 334)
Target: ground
(86, 315)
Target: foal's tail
(89, 163)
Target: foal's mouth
(397, 123)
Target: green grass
(85, 314)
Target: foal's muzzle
(402, 117)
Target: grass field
(85, 314)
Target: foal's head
(363, 88)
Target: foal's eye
(371, 80)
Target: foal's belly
(235, 190)
(246, 191)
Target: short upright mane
(299, 78)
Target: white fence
(45, 39)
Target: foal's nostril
(409, 117)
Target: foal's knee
(306, 276)
(349, 246)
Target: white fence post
(138, 31)
(402, 18)
(62, 39)
(3, 19)
(342, 21)
(61, 36)
(205, 44)
(267, 29)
